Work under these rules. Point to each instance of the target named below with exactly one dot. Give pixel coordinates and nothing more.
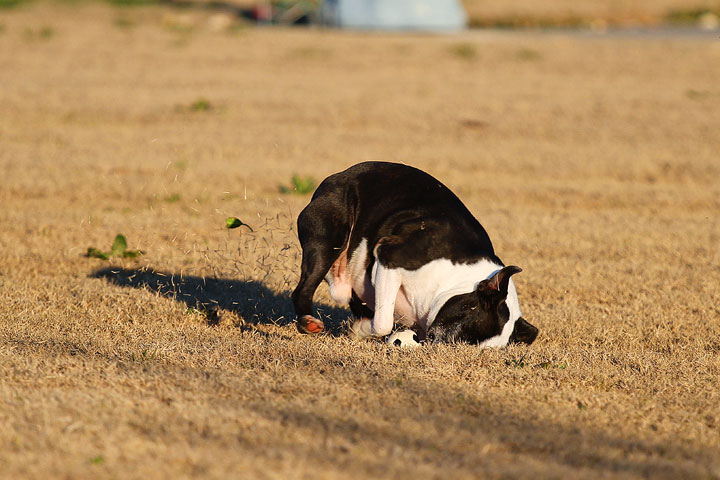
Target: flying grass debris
(234, 222)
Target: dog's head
(481, 315)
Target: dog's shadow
(255, 303)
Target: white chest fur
(431, 286)
(414, 297)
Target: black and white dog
(399, 247)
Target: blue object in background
(428, 15)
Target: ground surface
(592, 162)
(573, 12)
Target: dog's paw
(361, 328)
(308, 324)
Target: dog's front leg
(387, 283)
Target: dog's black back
(385, 200)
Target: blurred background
(438, 14)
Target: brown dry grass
(592, 162)
(572, 12)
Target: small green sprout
(299, 185)
(201, 105)
(118, 249)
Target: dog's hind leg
(338, 279)
(324, 233)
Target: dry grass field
(592, 161)
(573, 12)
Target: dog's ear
(498, 283)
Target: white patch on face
(514, 306)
